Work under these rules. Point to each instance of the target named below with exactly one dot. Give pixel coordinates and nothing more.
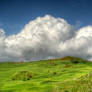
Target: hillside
(67, 74)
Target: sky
(38, 29)
(14, 14)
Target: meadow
(68, 74)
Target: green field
(59, 75)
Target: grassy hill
(67, 74)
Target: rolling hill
(67, 74)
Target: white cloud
(46, 37)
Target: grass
(57, 75)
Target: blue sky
(14, 14)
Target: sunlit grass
(47, 76)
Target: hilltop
(67, 74)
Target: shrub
(52, 63)
(66, 91)
(22, 75)
(67, 66)
(75, 61)
(54, 73)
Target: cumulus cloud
(46, 37)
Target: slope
(56, 75)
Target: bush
(22, 75)
(67, 66)
(75, 61)
(54, 73)
(66, 91)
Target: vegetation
(57, 75)
(22, 75)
